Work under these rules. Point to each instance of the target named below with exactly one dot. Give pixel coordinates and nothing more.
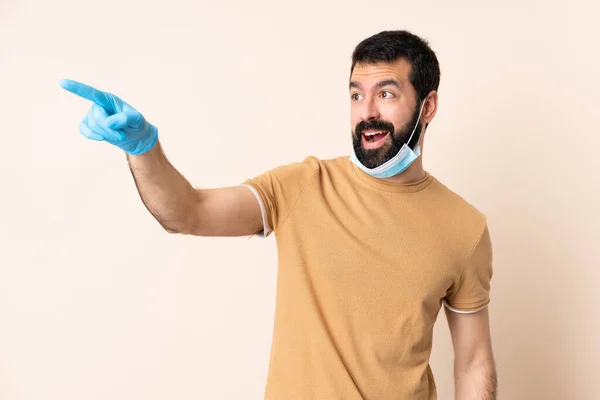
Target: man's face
(383, 110)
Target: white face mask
(397, 164)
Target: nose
(369, 110)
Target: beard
(372, 158)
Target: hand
(112, 120)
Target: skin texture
(183, 209)
(474, 368)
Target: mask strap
(417, 124)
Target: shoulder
(303, 170)
(456, 215)
(325, 163)
(299, 170)
(333, 165)
(455, 201)
(313, 167)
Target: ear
(430, 107)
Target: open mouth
(374, 138)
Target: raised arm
(181, 208)
(169, 197)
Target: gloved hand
(112, 120)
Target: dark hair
(389, 46)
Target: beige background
(97, 302)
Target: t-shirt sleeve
(472, 291)
(278, 190)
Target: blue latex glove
(112, 120)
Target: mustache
(376, 124)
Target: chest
(374, 252)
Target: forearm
(169, 197)
(476, 382)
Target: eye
(355, 96)
(386, 94)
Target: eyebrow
(386, 82)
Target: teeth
(375, 133)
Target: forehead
(367, 73)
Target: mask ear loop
(417, 124)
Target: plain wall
(98, 302)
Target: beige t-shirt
(364, 267)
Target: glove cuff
(146, 143)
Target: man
(370, 246)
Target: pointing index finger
(87, 92)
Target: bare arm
(170, 198)
(474, 367)
(181, 208)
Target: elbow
(477, 379)
(484, 366)
(186, 227)
(177, 229)
(183, 220)
(170, 227)
(171, 230)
